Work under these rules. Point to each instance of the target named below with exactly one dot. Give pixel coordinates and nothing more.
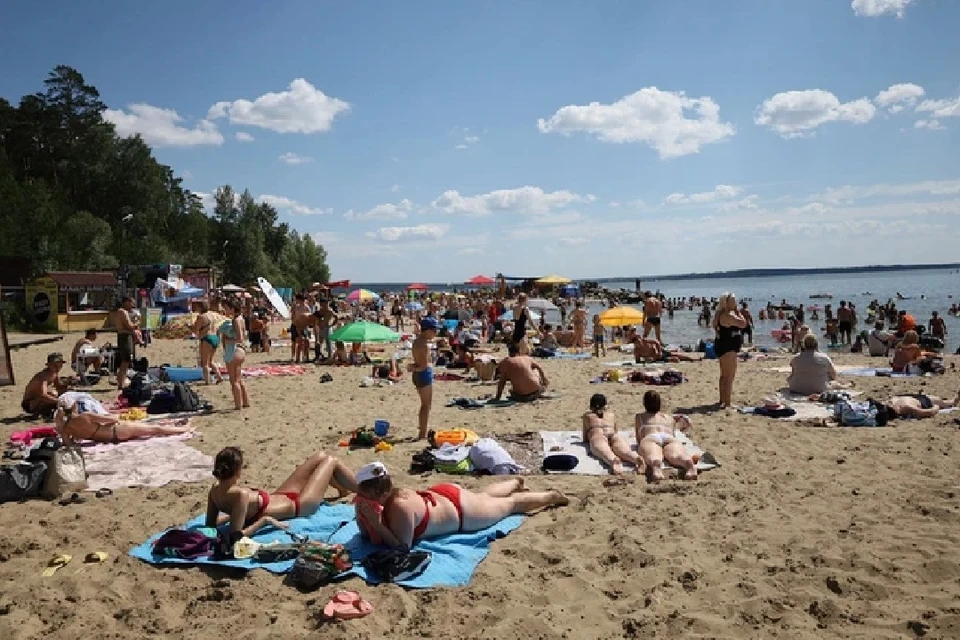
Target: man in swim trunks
(748, 330)
(579, 320)
(652, 308)
(527, 379)
(937, 327)
(918, 405)
(43, 390)
(650, 350)
(421, 371)
(845, 323)
(125, 343)
(324, 320)
(301, 317)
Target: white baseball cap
(371, 471)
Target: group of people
(233, 335)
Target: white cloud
(294, 159)
(949, 108)
(533, 200)
(849, 193)
(326, 238)
(302, 108)
(720, 192)
(749, 203)
(668, 121)
(161, 127)
(875, 8)
(795, 114)
(243, 136)
(471, 139)
(573, 241)
(897, 97)
(385, 211)
(291, 206)
(422, 232)
(614, 204)
(395, 188)
(471, 251)
(933, 125)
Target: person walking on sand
(233, 335)
(208, 341)
(728, 325)
(652, 308)
(422, 372)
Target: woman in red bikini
(249, 510)
(397, 517)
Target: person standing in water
(423, 372)
(652, 308)
(728, 325)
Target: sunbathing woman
(397, 517)
(603, 441)
(249, 510)
(73, 425)
(656, 440)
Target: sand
(804, 532)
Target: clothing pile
(469, 454)
(669, 377)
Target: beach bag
(931, 365)
(318, 564)
(394, 565)
(186, 399)
(855, 414)
(21, 481)
(67, 473)
(140, 365)
(186, 544)
(139, 391)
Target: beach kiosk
(72, 300)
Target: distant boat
(821, 296)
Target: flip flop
(97, 557)
(347, 605)
(73, 499)
(103, 493)
(56, 563)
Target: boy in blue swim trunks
(422, 371)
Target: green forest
(76, 196)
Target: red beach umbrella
(417, 286)
(480, 280)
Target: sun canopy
(554, 279)
(621, 317)
(365, 332)
(417, 286)
(480, 280)
(362, 295)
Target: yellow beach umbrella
(621, 317)
(554, 279)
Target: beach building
(72, 300)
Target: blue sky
(433, 140)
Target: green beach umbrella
(364, 332)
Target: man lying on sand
(527, 379)
(40, 396)
(918, 405)
(650, 350)
(249, 510)
(72, 425)
(397, 517)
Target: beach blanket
(477, 403)
(455, 556)
(572, 442)
(446, 376)
(154, 462)
(563, 355)
(270, 370)
(860, 372)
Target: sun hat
(56, 356)
(371, 471)
(429, 324)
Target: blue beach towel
(455, 557)
(869, 372)
(563, 355)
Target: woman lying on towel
(397, 517)
(73, 424)
(602, 439)
(657, 442)
(249, 510)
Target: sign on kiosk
(42, 301)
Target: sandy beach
(804, 532)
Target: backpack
(139, 391)
(21, 481)
(855, 414)
(163, 401)
(140, 365)
(186, 399)
(394, 565)
(186, 544)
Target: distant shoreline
(735, 273)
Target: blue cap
(429, 324)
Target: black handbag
(21, 481)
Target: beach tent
(554, 279)
(166, 291)
(621, 317)
(479, 281)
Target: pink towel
(26, 436)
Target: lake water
(928, 290)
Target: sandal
(56, 563)
(73, 499)
(347, 605)
(97, 557)
(103, 493)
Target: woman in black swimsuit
(728, 324)
(521, 316)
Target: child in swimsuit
(598, 347)
(656, 440)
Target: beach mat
(562, 355)
(860, 372)
(153, 462)
(455, 556)
(572, 442)
(475, 403)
